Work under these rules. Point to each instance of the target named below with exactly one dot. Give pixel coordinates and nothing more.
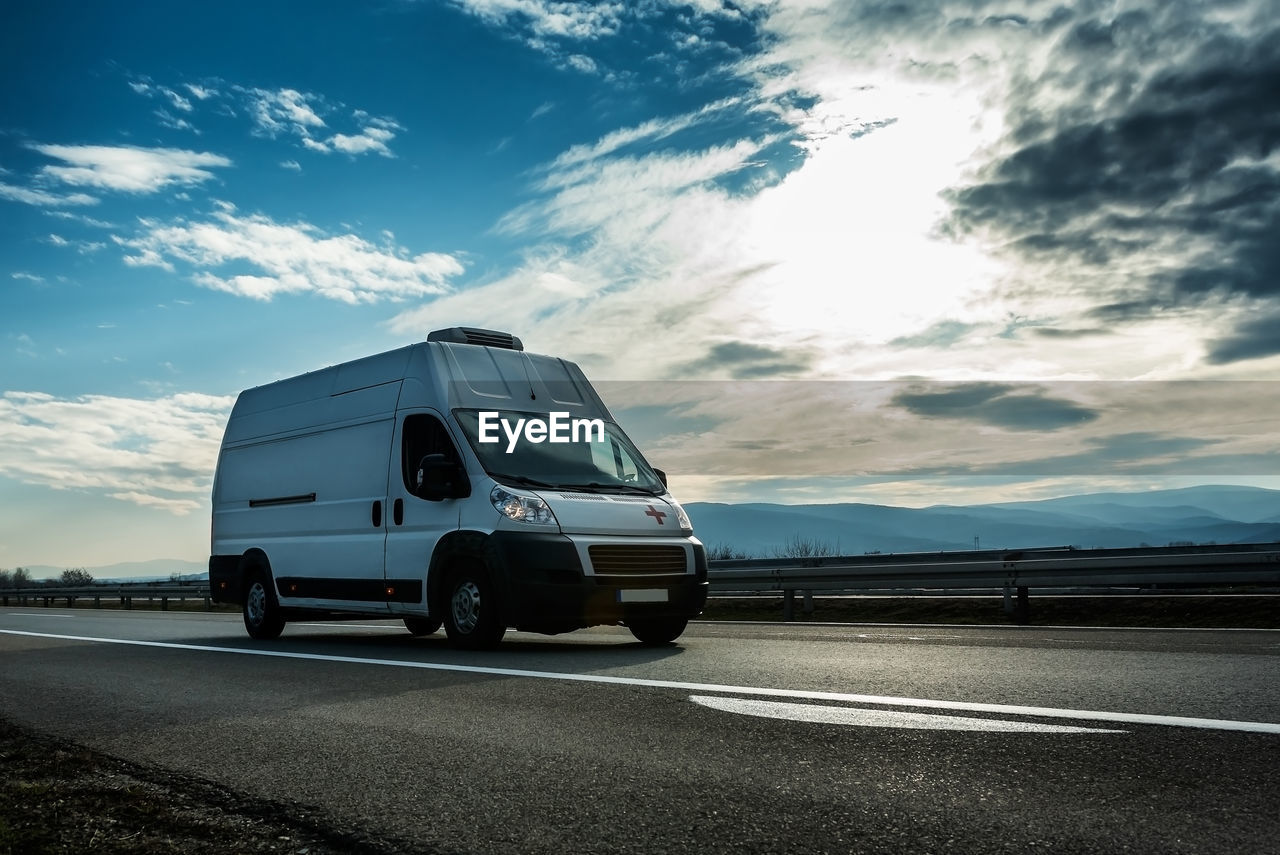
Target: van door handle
(397, 512)
(377, 514)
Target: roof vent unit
(473, 335)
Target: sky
(903, 253)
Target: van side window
(423, 435)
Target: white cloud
(128, 168)
(313, 121)
(177, 100)
(370, 139)
(650, 131)
(281, 110)
(35, 196)
(154, 452)
(581, 62)
(30, 277)
(254, 256)
(201, 93)
(80, 218)
(298, 114)
(550, 18)
(171, 121)
(291, 165)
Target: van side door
(325, 540)
(416, 524)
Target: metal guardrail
(1014, 572)
(127, 592)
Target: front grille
(620, 560)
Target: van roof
(445, 374)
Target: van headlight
(521, 507)
(686, 525)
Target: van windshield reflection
(599, 460)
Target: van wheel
(655, 631)
(262, 616)
(421, 626)
(472, 617)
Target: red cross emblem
(656, 514)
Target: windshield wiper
(522, 480)
(596, 486)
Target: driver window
(423, 434)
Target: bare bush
(806, 547)
(76, 576)
(724, 552)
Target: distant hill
(1215, 514)
(1194, 514)
(158, 569)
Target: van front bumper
(545, 588)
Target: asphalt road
(740, 738)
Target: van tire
(421, 626)
(657, 631)
(472, 613)
(262, 617)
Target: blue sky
(907, 254)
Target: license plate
(643, 595)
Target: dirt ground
(57, 797)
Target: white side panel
(330, 537)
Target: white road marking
(1002, 627)
(863, 717)
(34, 614)
(754, 691)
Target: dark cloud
(941, 334)
(995, 404)
(1252, 339)
(1056, 332)
(1145, 139)
(746, 361)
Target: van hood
(609, 513)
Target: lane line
(863, 717)
(1004, 627)
(753, 691)
(35, 614)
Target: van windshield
(537, 450)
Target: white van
(375, 489)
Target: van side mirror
(662, 476)
(437, 478)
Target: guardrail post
(164, 604)
(71, 602)
(208, 604)
(1022, 614)
(789, 604)
(1008, 601)
(808, 602)
(97, 601)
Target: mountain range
(756, 529)
(1157, 518)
